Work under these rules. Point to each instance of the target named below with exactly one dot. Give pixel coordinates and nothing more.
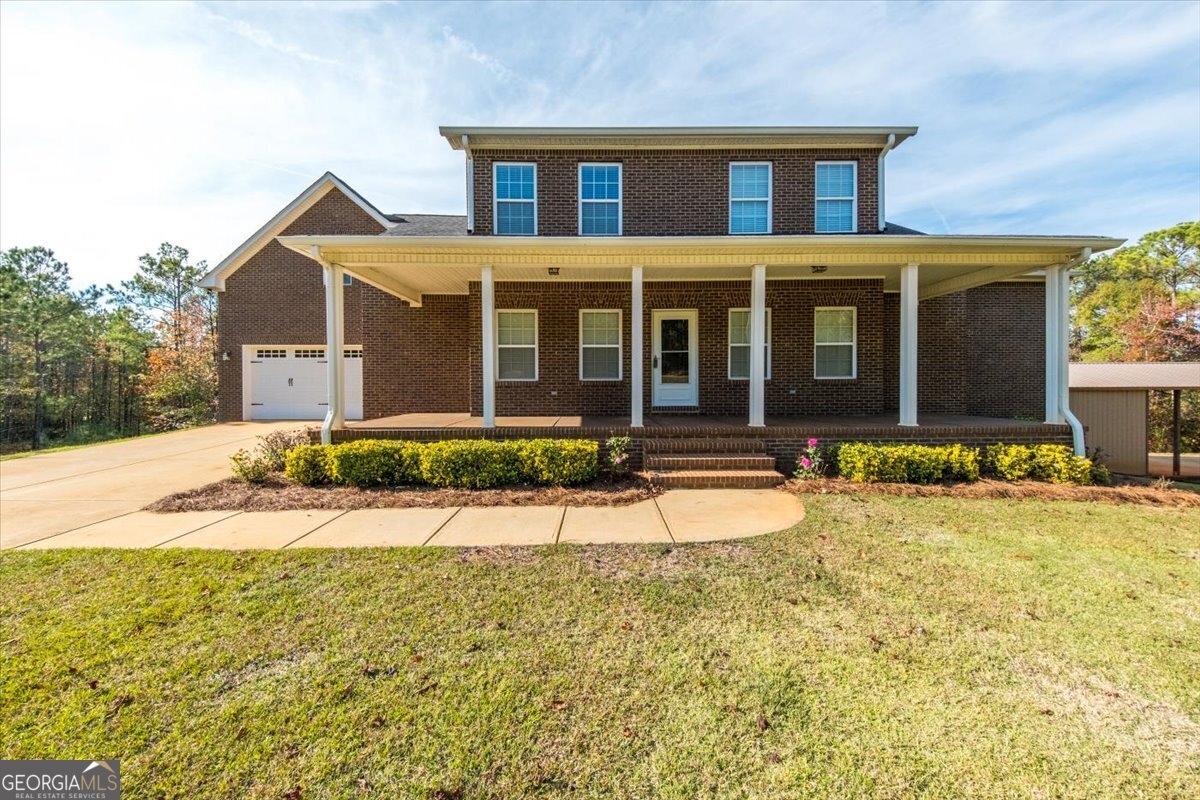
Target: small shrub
(559, 462)
(275, 446)
(814, 460)
(250, 467)
(471, 464)
(374, 462)
(305, 464)
(1055, 463)
(618, 455)
(907, 463)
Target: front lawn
(886, 646)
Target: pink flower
(813, 442)
(805, 462)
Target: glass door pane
(676, 356)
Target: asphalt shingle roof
(427, 225)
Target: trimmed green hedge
(914, 463)
(458, 463)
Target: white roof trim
(215, 278)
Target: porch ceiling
(410, 267)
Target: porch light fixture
(552, 270)
(819, 268)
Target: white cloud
(122, 125)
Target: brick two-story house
(742, 283)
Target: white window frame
(620, 343)
(536, 348)
(853, 198)
(729, 345)
(495, 200)
(853, 344)
(620, 201)
(770, 165)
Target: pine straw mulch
(1119, 493)
(278, 494)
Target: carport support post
(335, 415)
(487, 297)
(758, 344)
(1053, 412)
(1176, 439)
(908, 345)
(635, 349)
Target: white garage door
(290, 382)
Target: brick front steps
(710, 464)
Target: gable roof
(215, 278)
(1160, 375)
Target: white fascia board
(215, 278)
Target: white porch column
(335, 414)
(908, 344)
(758, 344)
(1053, 410)
(1063, 323)
(636, 356)
(488, 320)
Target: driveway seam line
(663, 517)
(562, 518)
(439, 527)
(314, 530)
(193, 530)
(72, 530)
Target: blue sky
(125, 125)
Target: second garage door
(289, 382)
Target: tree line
(79, 366)
(85, 365)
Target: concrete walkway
(680, 516)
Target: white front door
(674, 360)
(287, 382)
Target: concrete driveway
(45, 495)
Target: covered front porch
(915, 268)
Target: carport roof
(1111, 375)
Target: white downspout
(891, 142)
(1064, 354)
(335, 340)
(466, 140)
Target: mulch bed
(1119, 493)
(278, 494)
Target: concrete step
(715, 478)
(709, 461)
(668, 446)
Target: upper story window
(599, 199)
(835, 342)
(515, 199)
(837, 196)
(750, 197)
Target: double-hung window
(750, 197)
(600, 345)
(739, 344)
(515, 199)
(516, 346)
(835, 342)
(599, 199)
(837, 196)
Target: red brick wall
(677, 192)
(792, 390)
(415, 359)
(278, 297)
(980, 352)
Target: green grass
(884, 647)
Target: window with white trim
(739, 344)
(749, 197)
(837, 196)
(835, 342)
(599, 199)
(516, 346)
(514, 199)
(600, 345)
